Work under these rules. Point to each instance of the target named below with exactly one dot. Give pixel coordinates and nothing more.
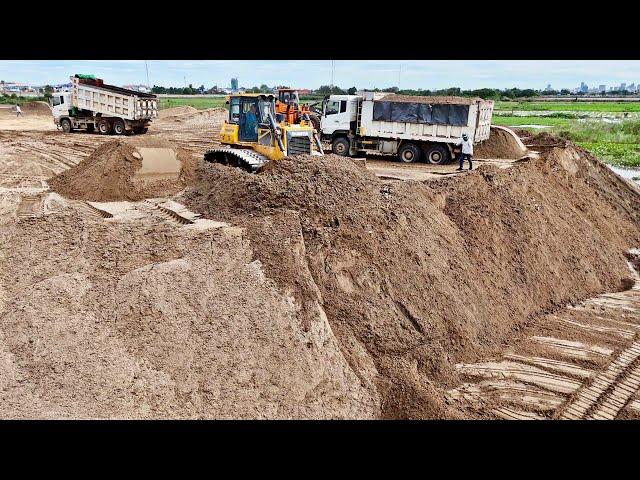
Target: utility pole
(331, 74)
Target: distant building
(602, 88)
(584, 88)
(234, 84)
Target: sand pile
(36, 108)
(190, 117)
(415, 277)
(127, 169)
(119, 320)
(176, 112)
(502, 143)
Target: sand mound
(177, 111)
(127, 169)
(36, 108)
(502, 143)
(416, 277)
(193, 118)
(110, 320)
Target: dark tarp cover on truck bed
(438, 114)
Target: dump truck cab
(61, 103)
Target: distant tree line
(485, 93)
(190, 90)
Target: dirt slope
(414, 277)
(145, 320)
(500, 144)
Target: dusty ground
(316, 289)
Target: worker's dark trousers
(464, 156)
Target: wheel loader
(251, 136)
(288, 104)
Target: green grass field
(614, 143)
(196, 102)
(201, 103)
(512, 121)
(570, 106)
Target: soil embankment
(414, 277)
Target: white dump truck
(91, 104)
(412, 127)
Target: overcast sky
(425, 74)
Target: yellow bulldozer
(255, 134)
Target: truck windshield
(57, 100)
(333, 107)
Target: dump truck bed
(112, 101)
(430, 119)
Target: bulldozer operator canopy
(244, 107)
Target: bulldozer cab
(251, 114)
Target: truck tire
(65, 123)
(409, 153)
(340, 146)
(437, 154)
(118, 127)
(104, 127)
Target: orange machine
(288, 105)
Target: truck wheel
(118, 127)
(65, 123)
(409, 153)
(340, 146)
(437, 155)
(104, 127)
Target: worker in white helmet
(466, 151)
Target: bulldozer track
(102, 213)
(30, 206)
(169, 214)
(248, 160)
(610, 391)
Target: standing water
(632, 174)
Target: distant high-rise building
(583, 87)
(623, 87)
(602, 88)
(234, 84)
